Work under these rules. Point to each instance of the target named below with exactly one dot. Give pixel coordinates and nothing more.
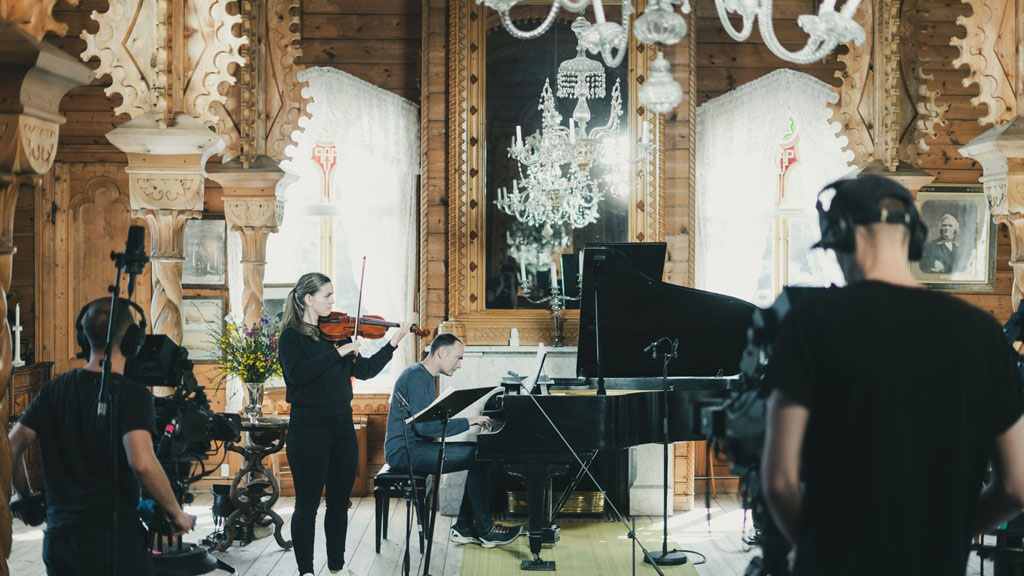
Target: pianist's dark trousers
(458, 456)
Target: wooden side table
(254, 489)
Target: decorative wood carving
(131, 52)
(467, 315)
(888, 83)
(854, 107)
(924, 113)
(213, 48)
(285, 101)
(36, 76)
(1015, 225)
(252, 208)
(11, 186)
(167, 258)
(991, 50)
(35, 17)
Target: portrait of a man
(946, 253)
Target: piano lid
(637, 308)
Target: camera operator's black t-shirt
(907, 391)
(76, 449)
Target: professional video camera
(736, 428)
(188, 429)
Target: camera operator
(77, 461)
(888, 402)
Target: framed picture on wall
(960, 248)
(204, 320)
(274, 296)
(206, 253)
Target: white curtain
(738, 137)
(374, 190)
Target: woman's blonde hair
(295, 306)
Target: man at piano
(414, 390)
(879, 433)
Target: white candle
(850, 8)
(828, 6)
(522, 271)
(647, 132)
(551, 271)
(519, 135)
(515, 187)
(17, 314)
(598, 12)
(572, 130)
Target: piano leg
(537, 478)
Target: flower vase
(255, 407)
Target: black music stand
(447, 405)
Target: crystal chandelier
(661, 25)
(533, 247)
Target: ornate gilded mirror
(506, 240)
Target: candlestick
(17, 314)
(598, 12)
(522, 270)
(519, 135)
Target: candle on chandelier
(522, 271)
(572, 130)
(519, 135)
(17, 314)
(850, 8)
(828, 6)
(647, 132)
(598, 12)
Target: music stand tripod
(666, 557)
(447, 405)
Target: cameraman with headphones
(76, 454)
(888, 403)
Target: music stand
(447, 405)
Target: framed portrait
(274, 296)
(204, 320)
(960, 249)
(206, 253)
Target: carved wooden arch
(989, 51)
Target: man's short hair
(443, 341)
(97, 316)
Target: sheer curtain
(738, 145)
(374, 191)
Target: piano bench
(388, 484)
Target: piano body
(616, 400)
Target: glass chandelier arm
(826, 30)
(747, 9)
(510, 26)
(574, 5)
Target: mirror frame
(468, 317)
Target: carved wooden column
(173, 94)
(254, 210)
(36, 75)
(994, 51)
(885, 107)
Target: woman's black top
(318, 380)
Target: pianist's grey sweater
(416, 385)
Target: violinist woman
(321, 443)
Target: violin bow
(359, 303)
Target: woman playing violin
(321, 443)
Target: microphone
(653, 349)
(134, 257)
(402, 400)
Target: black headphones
(134, 336)
(837, 226)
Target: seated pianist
(414, 391)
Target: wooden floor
(720, 542)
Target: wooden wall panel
(376, 40)
(433, 280)
(23, 275)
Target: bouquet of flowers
(250, 354)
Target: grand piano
(616, 399)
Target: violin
(338, 326)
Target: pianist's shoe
(500, 535)
(461, 535)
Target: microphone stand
(666, 557)
(132, 261)
(404, 408)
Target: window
(764, 151)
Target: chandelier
(661, 25)
(534, 247)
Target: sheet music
(530, 383)
(450, 392)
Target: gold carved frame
(468, 317)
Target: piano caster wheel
(538, 565)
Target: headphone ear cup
(131, 343)
(83, 342)
(918, 235)
(837, 230)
